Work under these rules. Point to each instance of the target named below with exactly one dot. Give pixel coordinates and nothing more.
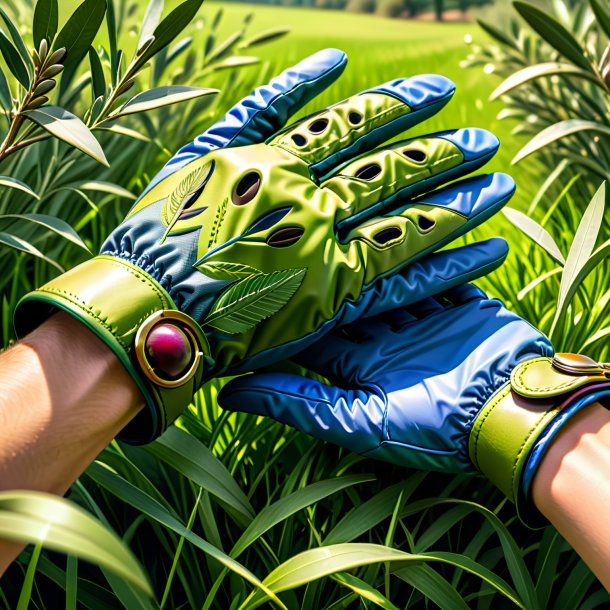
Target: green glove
(253, 241)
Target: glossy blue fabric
(405, 386)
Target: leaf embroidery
(251, 300)
(227, 271)
(187, 187)
(220, 214)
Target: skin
(59, 408)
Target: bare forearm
(63, 397)
(572, 487)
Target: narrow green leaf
(316, 563)
(98, 82)
(225, 47)
(80, 30)
(227, 271)
(538, 71)
(598, 256)
(265, 37)
(246, 303)
(13, 183)
(555, 132)
(433, 586)
(602, 14)
(140, 500)
(364, 590)
(35, 517)
(13, 60)
(16, 243)
(554, 33)
(69, 128)
(45, 21)
(18, 42)
(196, 462)
(123, 131)
(285, 507)
(190, 186)
(112, 42)
(160, 96)
(170, 27)
(103, 187)
(178, 49)
(6, 99)
(28, 582)
(152, 16)
(497, 34)
(52, 223)
(236, 62)
(582, 246)
(535, 232)
(372, 512)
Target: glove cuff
(515, 427)
(136, 318)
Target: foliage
(556, 92)
(230, 507)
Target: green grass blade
(197, 463)
(34, 517)
(288, 505)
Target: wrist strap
(114, 299)
(518, 415)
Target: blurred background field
(227, 489)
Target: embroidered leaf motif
(191, 184)
(246, 303)
(227, 271)
(220, 214)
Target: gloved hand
(254, 240)
(455, 383)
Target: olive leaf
(227, 271)
(192, 183)
(249, 301)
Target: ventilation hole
(368, 172)
(246, 188)
(282, 238)
(425, 224)
(298, 139)
(354, 117)
(318, 126)
(386, 235)
(415, 155)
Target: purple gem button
(168, 351)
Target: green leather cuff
(122, 305)
(513, 419)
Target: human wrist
(121, 304)
(571, 487)
(65, 396)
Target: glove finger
(429, 276)
(387, 243)
(392, 176)
(464, 294)
(351, 418)
(333, 136)
(265, 110)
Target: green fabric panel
(374, 109)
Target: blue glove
(255, 239)
(430, 387)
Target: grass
(263, 493)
